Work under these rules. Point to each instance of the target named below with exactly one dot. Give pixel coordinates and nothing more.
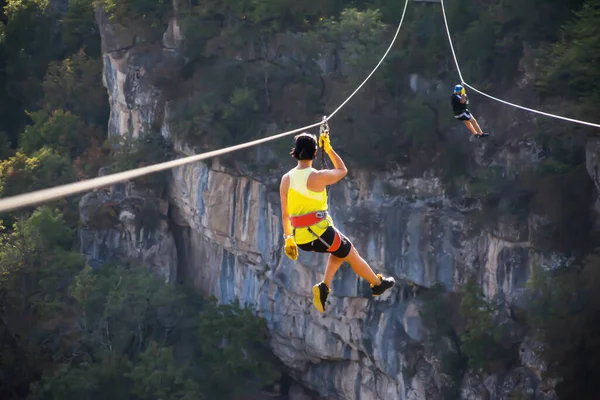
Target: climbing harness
(307, 220)
(312, 219)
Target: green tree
(481, 337)
(24, 55)
(232, 341)
(36, 258)
(68, 137)
(36, 264)
(569, 67)
(563, 315)
(100, 380)
(44, 168)
(150, 148)
(62, 132)
(79, 28)
(359, 37)
(157, 376)
(164, 341)
(75, 85)
(5, 146)
(439, 313)
(152, 14)
(122, 309)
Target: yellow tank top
(301, 201)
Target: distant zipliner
(460, 102)
(306, 222)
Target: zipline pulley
(323, 129)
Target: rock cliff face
(221, 232)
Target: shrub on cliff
(482, 336)
(150, 13)
(28, 42)
(440, 315)
(161, 338)
(564, 316)
(462, 331)
(118, 331)
(130, 153)
(569, 69)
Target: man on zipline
(306, 223)
(462, 113)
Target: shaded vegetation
(150, 148)
(563, 315)
(465, 332)
(560, 315)
(148, 17)
(117, 331)
(70, 331)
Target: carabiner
(324, 126)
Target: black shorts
(465, 116)
(337, 244)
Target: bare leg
(471, 127)
(360, 266)
(475, 124)
(333, 264)
(362, 269)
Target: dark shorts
(465, 116)
(339, 243)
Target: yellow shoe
(320, 293)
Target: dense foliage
(467, 332)
(117, 331)
(69, 331)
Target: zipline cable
(532, 110)
(462, 81)
(495, 98)
(44, 195)
(39, 196)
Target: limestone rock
(118, 227)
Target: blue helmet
(458, 88)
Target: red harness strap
(337, 241)
(306, 220)
(310, 219)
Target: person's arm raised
(319, 179)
